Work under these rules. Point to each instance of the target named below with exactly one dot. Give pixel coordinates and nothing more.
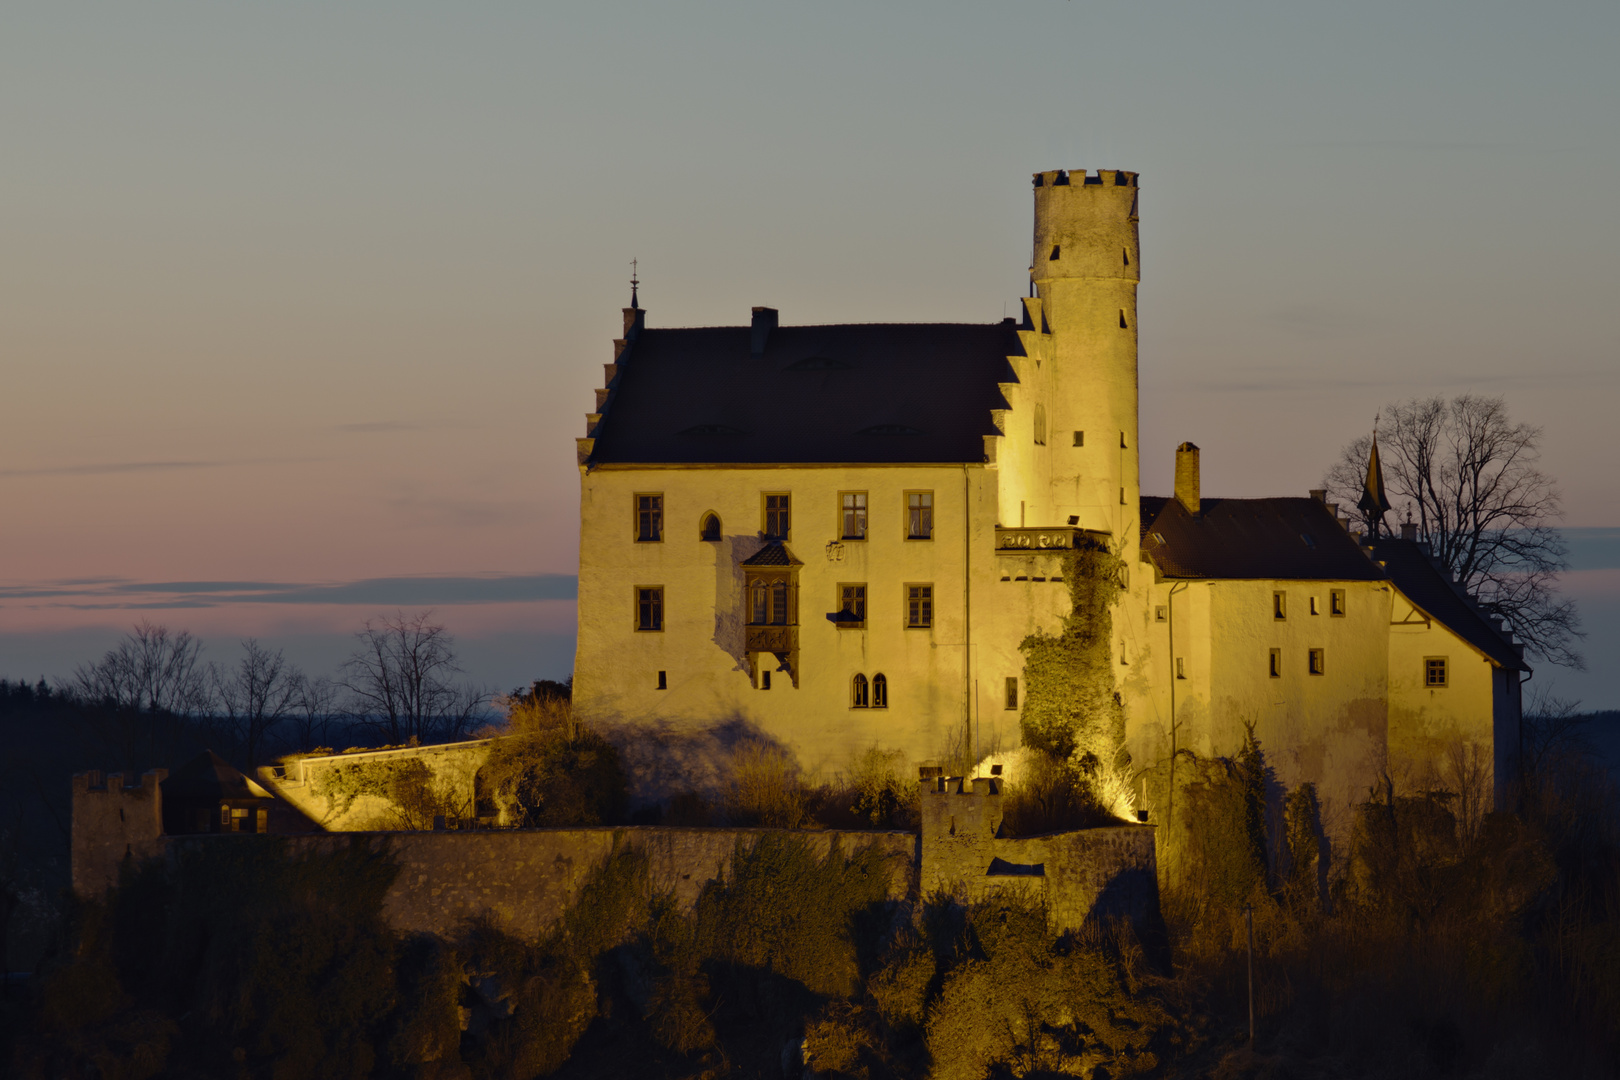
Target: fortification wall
(525, 879)
(112, 823)
(381, 790)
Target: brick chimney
(1187, 492)
(764, 322)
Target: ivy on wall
(1071, 710)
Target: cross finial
(633, 283)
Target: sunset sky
(302, 305)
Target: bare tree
(256, 695)
(315, 706)
(150, 670)
(401, 679)
(1467, 474)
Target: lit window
(880, 692)
(710, 528)
(1318, 661)
(852, 607)
(649, 517)
(650, 608)
(854, 515)
(1276, 663)
(1279, 605)
(778, 516)
(919, 515)
(1434, 671)
(1012, 691)
(1336, 602)
(919, 606)
(858, 689)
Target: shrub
(548, 777)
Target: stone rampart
(112, 823)
(524, 879)
(361, 791)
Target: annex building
(840, 535)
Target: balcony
(773, 639)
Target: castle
(842, 535)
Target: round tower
(1085, 268)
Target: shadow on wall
(663, 759)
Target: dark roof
(1414, 572)
(1286, 539)
(856, 394)
(774, 553)
(207, 776)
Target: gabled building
(840, 535)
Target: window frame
(771, 582)
(860, 693)
(843, 604)
(658, 608)
(765, 513)
(925, 605)
(1161, 613)
(880, 691)
(1009, 694)
(1316, 661)
(1444, 669)
(1336, 603)
(1276, 663)
(658, 511)
(864, 512)
(927, 506)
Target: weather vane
(633, 283)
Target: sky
(302, 305)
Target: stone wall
(523, 879)
(357, 792)
(112, 822)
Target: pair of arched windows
(769, 600)
(869, 695)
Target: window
(853, 517)
(857, 692)
(880, 691)
(1318, 661)
(1276, 663)
(1079, 438)
(919, 606)
(1181, 671)
(709, 528)
(649, 518)
(1012, 692)
(852, 607)
(1336, 602)
(650, 607)
(1279, 605)
(1434, 671)
(1122, 445)
(764, 679)
(919, 515)
(1313, 606)
(768, 602)
(1161, 613)
(778, 515)
(663, 680)
(1040, 425)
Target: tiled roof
(774, 553)
(1285, 539)
(877, 393)
(1431, 588)
(207, 776)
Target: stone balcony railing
(773, 639)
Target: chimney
(1408, 530)
(1320, 495)
(760, 332)
(1187, 477)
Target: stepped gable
(1284, 539)
(1421, 580)
(850, 394)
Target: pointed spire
(634, 303)
(1374, 501)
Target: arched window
(760, 599)
(709, 529)
(779, 602)
(880, 692)
(858, 699)
(768, 602)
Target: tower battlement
(1081, 178)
